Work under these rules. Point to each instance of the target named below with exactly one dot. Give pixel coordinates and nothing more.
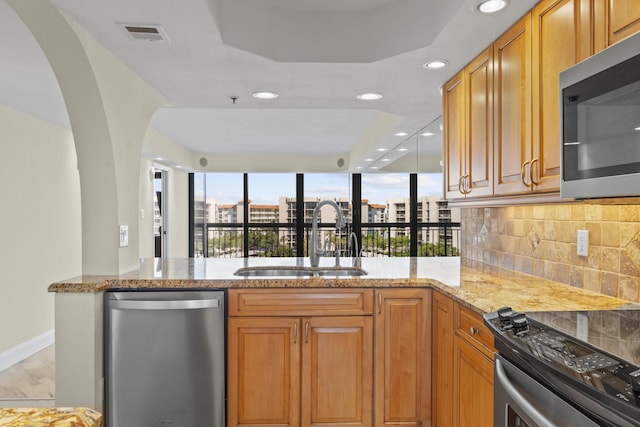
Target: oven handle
(518, 398)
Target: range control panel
(566, 355)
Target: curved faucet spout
(315, 251)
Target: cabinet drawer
(300, 302)
(469, 325)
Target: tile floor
(30, 382)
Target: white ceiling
(318, 55)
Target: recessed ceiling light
(386, 160)
(368, 160)
(374, 167)
(491, 6)
(265, 95)
(403, 149)
(435, 65)
(369, 96)
(359, 167)
(401, 134)
(427, 134)
(638, 128)
(382, 149)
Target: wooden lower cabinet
(263, 372)
(360, 364)
(472, 386)
(312, 371)
(462, 366)
(402, 358)
(442, 363)
(337, 358)
(300, 357)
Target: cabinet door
(556, 34)
(402, 358)
(263, 372)
(442, 364)
(454, 136)
(512, 104)
(479, 135)
(337, 359)
(623, 19)
(473, 386)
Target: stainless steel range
(566, 368)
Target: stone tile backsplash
(541, 241)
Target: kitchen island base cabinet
(329, 357)
(402, 358)
(263, 378)
(298, 370)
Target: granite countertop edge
(479, 288)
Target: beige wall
(541, 241)
(39, 222)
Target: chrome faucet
(357, 257)
(315, 252)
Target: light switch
(583, 242)
(124, 236)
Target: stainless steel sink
(294, 271)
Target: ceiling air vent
(151, 33)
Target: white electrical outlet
(583, 242)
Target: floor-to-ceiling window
(263, 214)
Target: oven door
(521, 401)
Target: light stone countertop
(482, 290)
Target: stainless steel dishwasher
(165, 358)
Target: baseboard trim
(26, 349)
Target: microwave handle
(518, 398)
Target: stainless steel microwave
(600, 145)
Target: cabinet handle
(531, 174)
(295, 332)
(380, 300)
(306, 332)
(523, 173)
(460, 185)
(467, 187)
(473, 330)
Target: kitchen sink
(296, 271)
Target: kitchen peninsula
(79, 301)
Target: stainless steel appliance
(165, 358)
(548, 372)
(601, 124)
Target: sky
(266, 188)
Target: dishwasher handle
(518, 398)
(165, 305)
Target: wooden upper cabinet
(558, 39)
(512, 106)
(623, 19)
(402, 358)
(479, 137)
(454, 136)
(468, 107)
